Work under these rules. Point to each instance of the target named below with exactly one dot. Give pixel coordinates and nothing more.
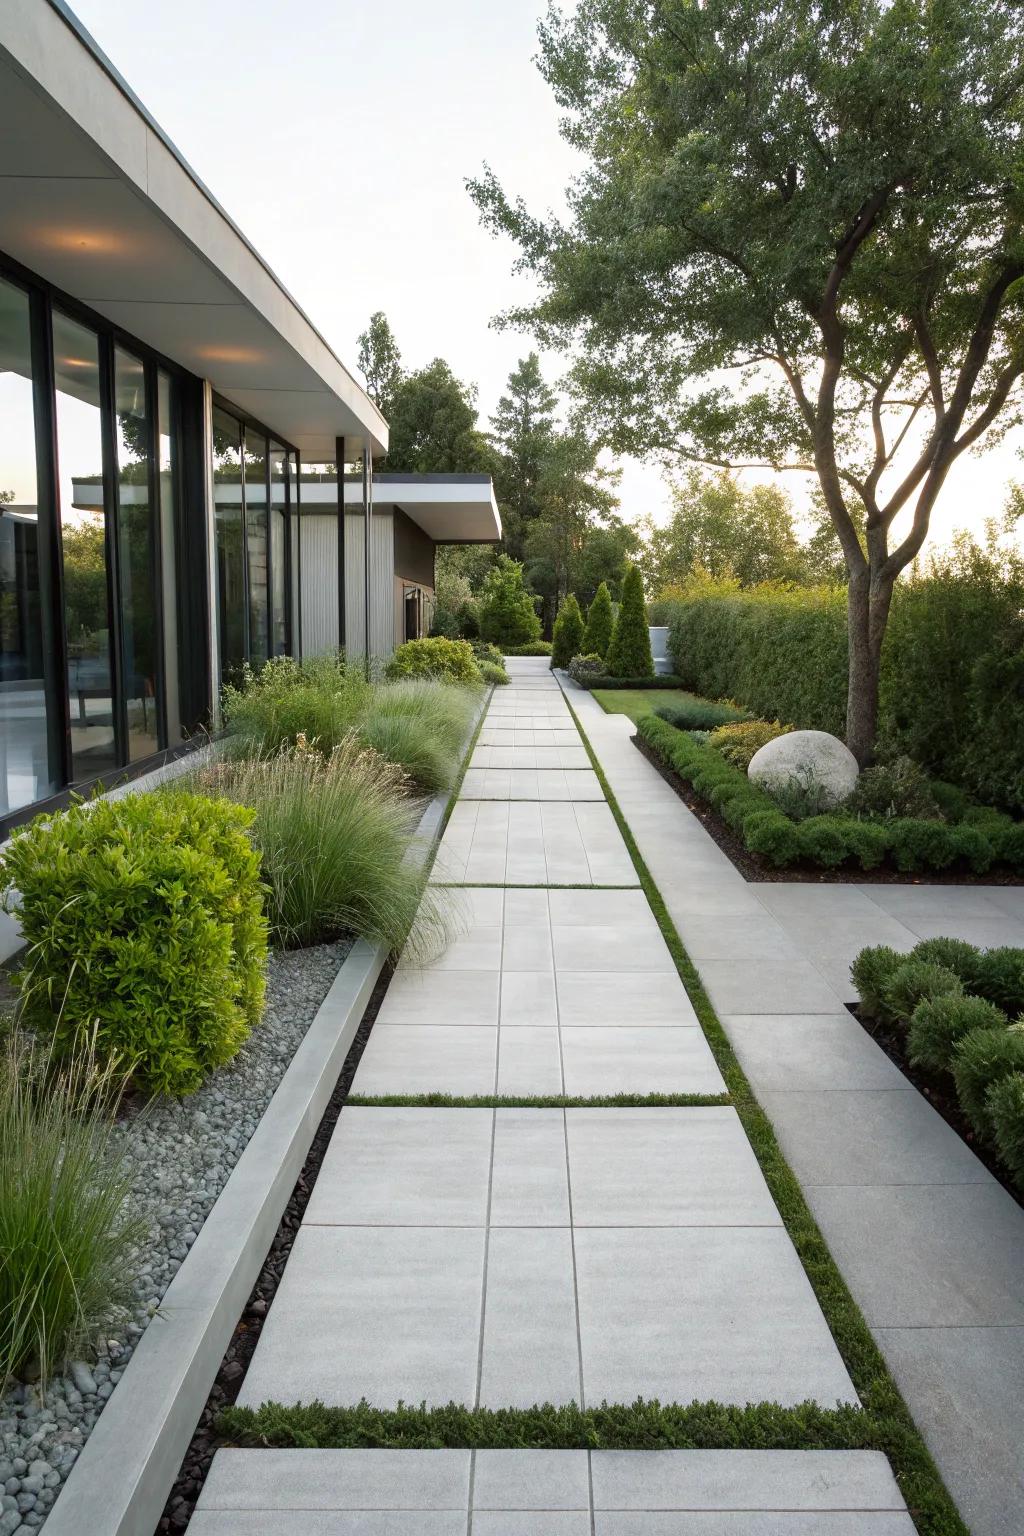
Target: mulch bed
(938, 1088)
(755, 868)
(205, 1442)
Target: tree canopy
(380, 362)
(797, 241)
(433, 425)
(719, 526)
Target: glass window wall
(137, 558)
(278, 549)
(227, 495)
(167, 490)
(76, 360)
(256, 545)
(26, 770)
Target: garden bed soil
(757, 869)
(205, 1442)
(939, 1090)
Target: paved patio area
(930, 1244)
(506, 1257)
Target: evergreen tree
(380, 362)
(598, 634)
(507, 614)
(629, 653)
(523, 431)
(567, 637)
(433, 426)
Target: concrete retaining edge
(120, 1482)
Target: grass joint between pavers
(537, 1101)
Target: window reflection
(167, 486)
(278, 550)
(136, 557)
(227, 491)
(256, 544)
(26, 771)
(83, 539)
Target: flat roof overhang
(451, 509)
(96, 199)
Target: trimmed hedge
(834, 839)
(665, 681)
(952, 684)
(531, 648)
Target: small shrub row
(531, 648)
(955, 1003)
(654, 681)
(583, 669)
(694, 714)
(833, 839)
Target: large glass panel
(26, 773)
(278, 551)
(136, 544)
(296, 553)
(227, 493)
(256, 544)
(167, 469)
(83, 538)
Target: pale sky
(337, 134)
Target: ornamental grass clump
(421, 725)
(333, 833)
(145, 933)
(69, 1242)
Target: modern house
(170, 423)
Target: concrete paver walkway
(551, 1493)
(930, 1244)
(502, 1257)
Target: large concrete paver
(509, 842)
(511, 1257)
(551, 1493)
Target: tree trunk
(868, 603)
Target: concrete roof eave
(96, 199)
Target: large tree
(433, 426)
(798, 241)
(725, 528)
(380, 362)
(523, 431)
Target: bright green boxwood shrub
(629, 650)
(145, 929)
(937, 1023)
(567, 635)
(450, 661)
(980, 1060)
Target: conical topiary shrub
(567, 635)
(598, 633)
(629, 653)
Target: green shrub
(952, 801)
(921, 844)
(507, 615)
(915, 980)
(483, 650)
(1000, 978)
(531, 648)
(963, 959)
(333, 833)
(699, 714)
(774, 836)
(319, 699)
(567, 635)
(583, 669)
(600, 621)
(937, 1023)
(451, 661)
(824, 840)
(980, 1060)
(629, 684)
(738, 742)
(629, 650)
(69, 1247)
(145, 930)
(900, 788)
(872, 971)
(1005, 1112)
(492, 674)
(1007, 842)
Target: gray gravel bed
(183, 1151)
